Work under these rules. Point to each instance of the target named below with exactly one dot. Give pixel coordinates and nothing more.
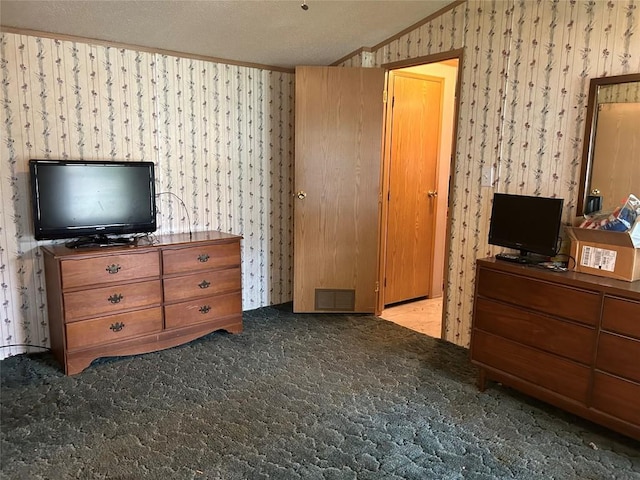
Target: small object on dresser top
(510, 257)
(553, 266)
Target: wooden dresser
(569, 339)
(135, 299)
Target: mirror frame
(590, 132)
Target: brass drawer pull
(204, 284)
(203, 258)
(116, 298)
(205, 309)
(116, 327)
(113, 268)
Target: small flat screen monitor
(92, 199)
(526, 223)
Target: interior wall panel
(525, 80)
(220, 137)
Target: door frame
(434, 169)
(386, 163)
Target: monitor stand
(524, 258)
(99, 241)
(511, 257)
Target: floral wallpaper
(222, 136)
(525, 82)
(619, 93)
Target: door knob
(432, 193)
(301, 195)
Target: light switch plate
(487, 176)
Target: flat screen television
(526, 223)
(92, 201)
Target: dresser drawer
(579, 305)
(563, 338)
(616, 397)
(621, 316)
(620, 356)
(202, 284)
(112, 299)
(109, 269)
(113, 328)
(202, 310)
(537, 367)
(191, 259)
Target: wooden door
(412, 197)
(616, 164)
(339, 121)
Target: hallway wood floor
(424, 316)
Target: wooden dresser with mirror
(572, 339)
(569, 339)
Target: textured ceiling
(277, 33)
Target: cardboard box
(606, 253)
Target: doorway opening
(419, 156)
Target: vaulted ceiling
(277, 33)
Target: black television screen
(526, 223)
(74, 198)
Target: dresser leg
(482, 380)
(76, 363)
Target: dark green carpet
(292, 397)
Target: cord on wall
(186, 211)
(26, 345)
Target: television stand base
(513, 258)
(523, 259)
(100, 241)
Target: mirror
(611, 153)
